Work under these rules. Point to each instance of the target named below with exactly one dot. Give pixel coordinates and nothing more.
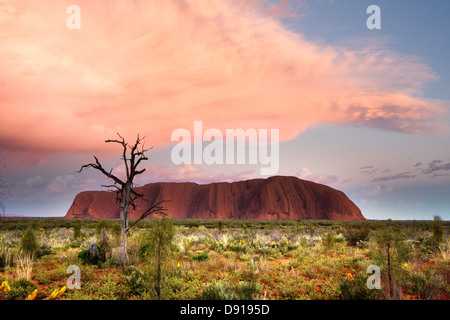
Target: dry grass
(24, 266)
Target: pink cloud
(307, 174)
(191, 173)
(154, 66)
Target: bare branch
(155, 208)
(99, 167)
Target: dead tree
(132, 156)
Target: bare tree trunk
(124, 207)
(124, 190)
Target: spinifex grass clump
(28, 243)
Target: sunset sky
(364, 111)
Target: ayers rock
(278, 197)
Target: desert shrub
(220, 291)
(6, 257)
(328, 240)
(201, 257)
(116, 229)
(20, 289)
(43, 250)
(425, 286)
(111, 262)
(356, 235)
(95, 254)
(356, 289)
(101, 226)
(136, 281)
(28, 243)
(160, 248)
(76, 229)
(438, 233)
(393, 253)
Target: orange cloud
(154, 66)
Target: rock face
(277, 197)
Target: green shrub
(44, 250)
(220, 291)
(355, 236)
(328, 240)
(136, 282)
(20, 289)
(76, 229)
(6, 257)
(201, 257)
(28, 243)
(94, 255)
(438, 233)
(357, 289)
(111, 262)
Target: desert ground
(224, 259)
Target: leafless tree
(132, 156)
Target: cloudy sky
(364, 111)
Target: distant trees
(132, 157)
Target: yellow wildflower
(32, 296)
(179, 265)
(5, 287)
(60, 292)
(53, 295)
(350, 276)
(56, 293)
(367, 250)
(405, 266)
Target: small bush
(28, 243)
(328, 241)
(20, 289)
(201, 257)
(94, 255)
(220, 291)
(356, 235)
(44, 250)
(357, 289)
(76, 229)
(6, 258)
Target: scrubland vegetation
(224, 259)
